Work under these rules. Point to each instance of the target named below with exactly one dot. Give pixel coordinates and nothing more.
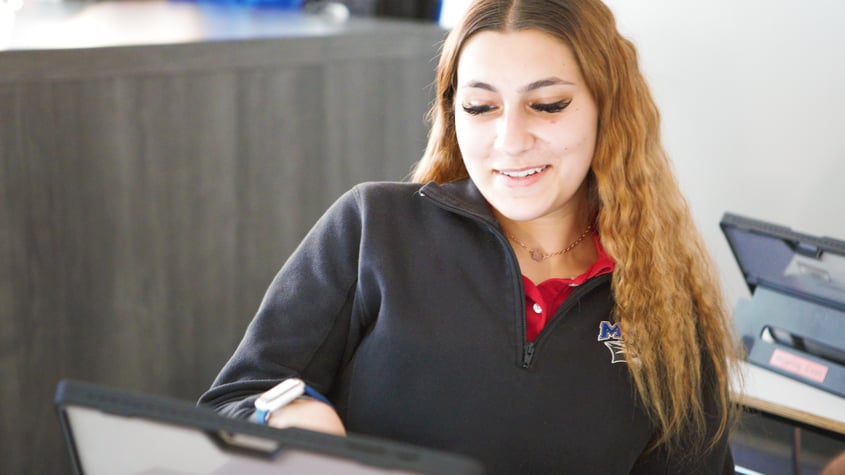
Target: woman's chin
(519, 212)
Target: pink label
(800, 366)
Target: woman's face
(526, 123)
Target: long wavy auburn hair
(669, 304)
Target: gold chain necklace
(541, 256)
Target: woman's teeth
(523, 173)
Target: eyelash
(477, 110)
(550, 108)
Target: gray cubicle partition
(150, 189)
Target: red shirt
(543, 300)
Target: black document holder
(794, 323)
(113, 431)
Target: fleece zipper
(527, 348)
(571, 301)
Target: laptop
(114, 431)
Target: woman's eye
(475, 110)
(551, 107)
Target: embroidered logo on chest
(611, 335)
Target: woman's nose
(513, 134)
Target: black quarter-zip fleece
(404, 305)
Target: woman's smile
(526, 176)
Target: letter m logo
(609, 331)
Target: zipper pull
(529, 354)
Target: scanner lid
(776, 257)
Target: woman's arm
(302, 327)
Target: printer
(794, 323)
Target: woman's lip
(515, 171)
(522, 181)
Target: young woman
(538, 298)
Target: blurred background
(160, 160)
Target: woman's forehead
(516, 56)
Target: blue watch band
(316, 395)
(261, 416)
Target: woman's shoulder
(378, 197)
(383, 195)
(371, 189)
(416, 200)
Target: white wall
(752, 94)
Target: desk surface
(773, 393)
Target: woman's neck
(554, 246)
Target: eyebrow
(552, 81)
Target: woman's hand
(308, 414)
